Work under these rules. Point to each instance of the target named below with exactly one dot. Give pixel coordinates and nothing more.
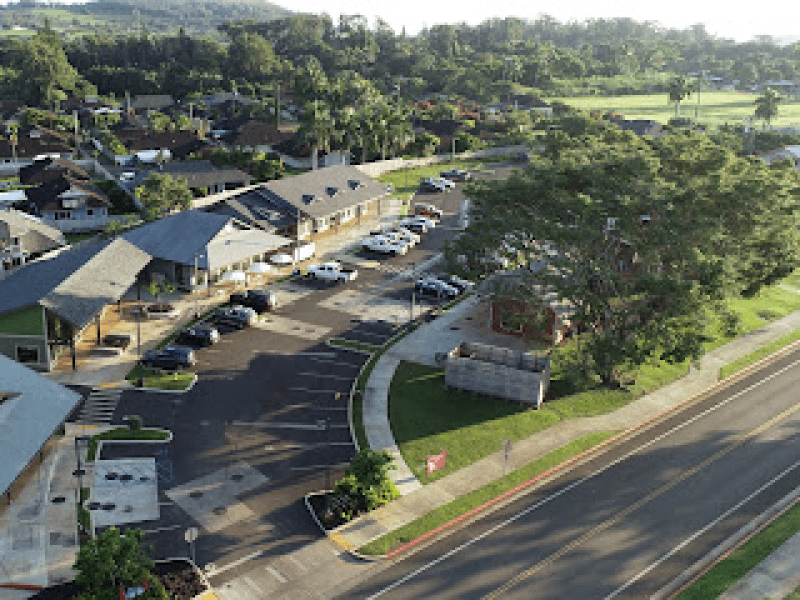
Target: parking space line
(274, 572)
(336, 363)
(337, 377)
(298, 563)
(160, 529)
(324, 354)
(319, 467)
(284, 425)
(252, 585)
(302, 389)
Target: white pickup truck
(384, 245)
(331, 271)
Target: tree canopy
(644, 238)
(161, 193)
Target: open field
(716, 108)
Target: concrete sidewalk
(468, 322)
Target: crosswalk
(98, 409)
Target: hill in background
(114, 17)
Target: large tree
(644, 239)
(161, 194)
(767, 105)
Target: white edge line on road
(575, 484)
(700, 532)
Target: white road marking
(274, 572)
(325, 376)
(252, 585)
(575, 484)
(319, 467)
(300, 565)
(301, 426)
(311, 391)
(232, 565)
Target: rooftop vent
(354, 184)
(309, 199)
(331, 191)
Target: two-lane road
(626, 523)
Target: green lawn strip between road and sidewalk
(742, 560)
(124, 434)
(463, 504)
(161, 380)
(762, 352)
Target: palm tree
(317, 129)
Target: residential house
(69, 204)
(153, 147)
(147, 102)
(251, 135)
(52, 303)
(32, 409)
(48, 168)
(791, 153)
(306, 206)
(641, 127)
(200, 176)
(193, 248)
(33, 143)
(24, 237)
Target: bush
(365, 486)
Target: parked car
(448, 185)
(259, 300)
(462, 285)
(162, 311)
(236, 316)
(404, 234)
(170, 358)
(331, 271)
(456, 174)
(384, 245)
(427, 210)
(432, 184)
(418, 224)
(199, 335)
(435, 287)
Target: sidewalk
(464, 323)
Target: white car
(403, 234)
(384, 245)
(418, 224)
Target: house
(200, 176)
(47, 168)
(641, 127)
(69, 204)
(32, 409)
(791, 153)
(48, 306)
(251, 135)
(36, 142)
(306, 206)
(151, 147)
(531, 102)
(193, 248)
(146, 102)
(24, 237)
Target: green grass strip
(351, 345)
(160, 380)
(456, 508)
(125, 434)
(755, 356)
(738, 564)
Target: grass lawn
(124, 433)
(763, 352)
(476, 498)
(716, 108)
(738, 564)
(427, 418)
(160, 380)
(406, 181)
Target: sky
(740, 21)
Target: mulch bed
(329, 520)
(178, 576)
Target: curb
(727, 547)
(130, 386)
(333, 535)
(101, 443)
(719, 385)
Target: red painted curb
(21, 586)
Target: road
(627, 522)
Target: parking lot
(267, 420)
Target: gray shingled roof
(34, 409)
(181, 236)
(331, 189)
(76, 283)
(20, 223)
